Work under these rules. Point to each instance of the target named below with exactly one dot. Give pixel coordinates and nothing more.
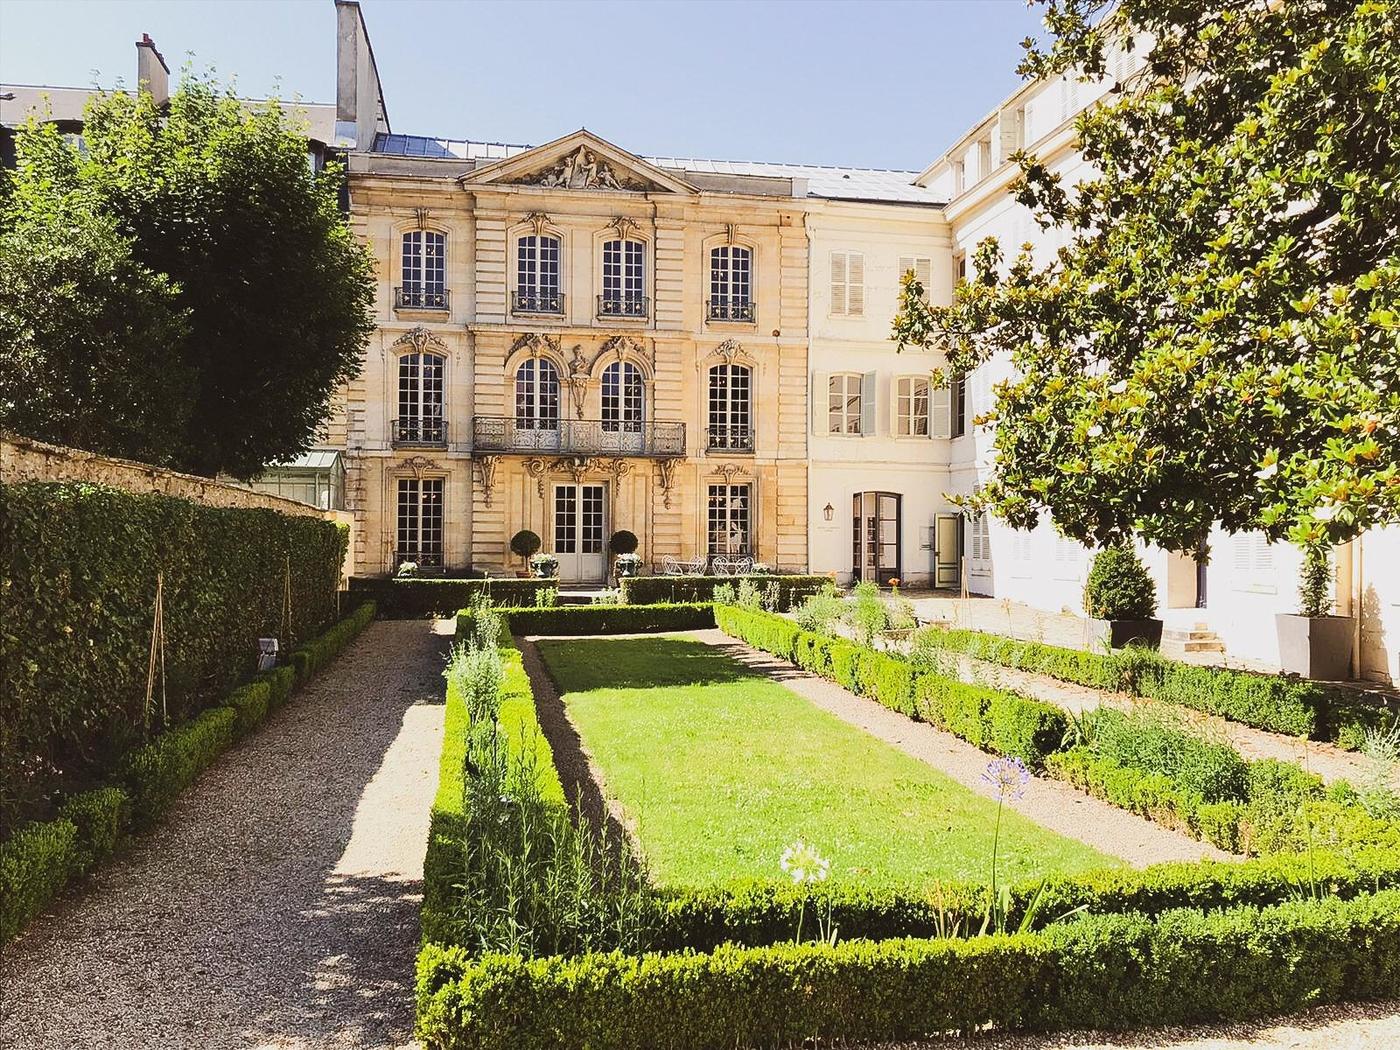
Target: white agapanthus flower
(804, 863)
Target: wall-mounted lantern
(828, 511)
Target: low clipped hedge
(597, 619)
(320, 651)
(1277, 703)
(1103, 972)
(651, 590)
(413, 598)
(41, 858)
(447, 821)
(989, 718)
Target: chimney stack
(152, 74)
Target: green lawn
(719, 768)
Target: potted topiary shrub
(524, 545)
(1313, 642)
(1120, 592)
(624, 544)
(544, 566)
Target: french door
(875, 537)
(579, 527)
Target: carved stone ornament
(730, 471)
(539, 220)
(536, 343)
(575, 466)
(420, 339)
(536, 469)
(730, 350)
(626, 228)
(617, 467)
(582, 170)
(624, 348)
(486, 468)
(420, 216)
(418, 464)
(577, 379)
(668, 478)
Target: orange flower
(894, 581)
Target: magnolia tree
(1219, 338)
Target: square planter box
(1315, 646)
(1119, 633)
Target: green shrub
(418, 598)
(101, 817)
(1105, 972)
(1119, 587)
(251, 702)
(1282, 705)
(35, 864)
(79, 564)
(159, 771)
(866, 613)
(595, 619)
(1315, 582)
(652, 590)
(820, 611)
(623, 542)
(1154, 741)
(280, 682)
(525, 544)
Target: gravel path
(276, 905)
(1326, 760)
(1050, 803)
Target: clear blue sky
(874, 84)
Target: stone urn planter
(1315, 646)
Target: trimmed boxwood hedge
(39, 859)
(1106, 972)
(992, 719)
(79, 564)
(1278, 703)
(650, 590)
(417, 597)
(597, 619)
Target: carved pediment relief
(537, 343)
(584, 169)
(420, 339)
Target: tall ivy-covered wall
(78, 571)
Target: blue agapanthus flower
(1008, 778)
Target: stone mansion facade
(577, 339)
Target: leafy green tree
(1219, 339)
(220, 198)
(91, 340)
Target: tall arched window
(537, 395)
(424, 271)
(624, 292)
(731, 283)
(420, 418)
(537, 275)
(729, 415)
(624, 398)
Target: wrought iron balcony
(537, 303)
(419, 430)
(612, 306)
(423, 557)
(577, 437)
(733, 437)
(729, 310)
(411, 298)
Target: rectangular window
(959, 405)
(922, 268)
(729, 408)
(419, 522)
(731, 284)
(727, 520)
(623, 279)
(537, 276)
(979, 539)
(424, 271)
(912, 407)
(959, 267)
(847, 284)
(984, 158)
(843, 404)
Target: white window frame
(729, 407)
(538, 277)
(424, 517)
(729, 518)
(910, 420)
(731, 278)
(922, 265)
(845, 389)
(423, 269)
(624, 276)
(422, 391)
(538, 402)
(847, 284)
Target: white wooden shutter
(855, 284)
(941, 411)
(923, 270)
(821, 401)
(869, 399)
(838, 283)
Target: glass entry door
(875, 537)
(578, 532)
